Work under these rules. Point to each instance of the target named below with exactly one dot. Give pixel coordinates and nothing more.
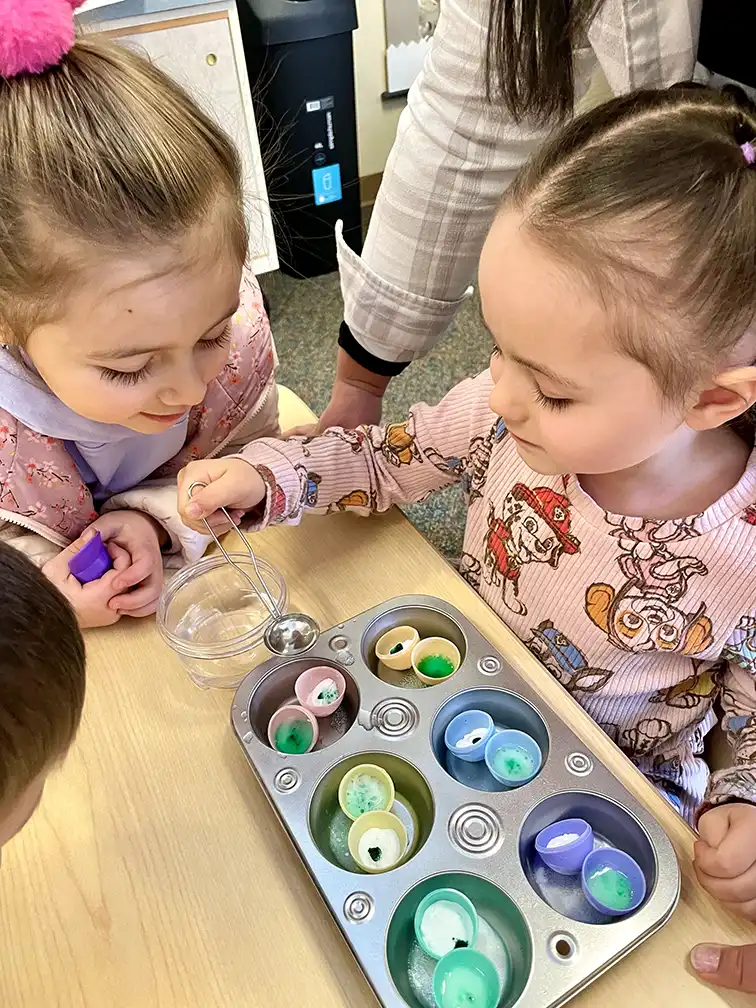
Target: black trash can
(299, 59)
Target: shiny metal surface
(479, 840)
(291, 634)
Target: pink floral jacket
(41, 489)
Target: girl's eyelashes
(222, 339)
(125, 377)
(134, 377)
(495, 352)
(549, 402)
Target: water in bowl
(213, 621)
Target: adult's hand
(356, 398)
(728, 966)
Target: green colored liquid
(514, 763)
(612, 888)
(364, 794)
(463, 987)
(435, 666)
(294, 737)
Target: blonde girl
(133, 339)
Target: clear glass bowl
(212, 619)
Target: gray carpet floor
(305, 316)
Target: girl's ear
(733, 393)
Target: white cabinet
(203, 52)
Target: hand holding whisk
(287, 633)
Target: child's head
(122, 235)
(41, 685)
(619, 282)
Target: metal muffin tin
(478, 840)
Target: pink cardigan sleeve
(371, 468)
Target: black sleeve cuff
(363, 357)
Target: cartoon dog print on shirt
(398, 445)
(354, 438)
(644, 737)
(454, 465)
(362, 501)
(534, 527)
(665, 773)
(637, 620)
(309, 483)
(565, 661)
(479, 460)
(644, 614)
(740, 649)
(473, 467)
(700, 686)
(471, 569)
(656, 531)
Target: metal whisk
(287, 633)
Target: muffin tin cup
(275, 690)
(464, 833)
(330, 824)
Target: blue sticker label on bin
(326, 184)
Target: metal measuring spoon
(287, 633)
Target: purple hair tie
(749, 152)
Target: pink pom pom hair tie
(749, 152)
(34, 34)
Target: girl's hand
(140, 537)
(725, 856)
(90, 602)
(231, 483)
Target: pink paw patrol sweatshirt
(646, 623)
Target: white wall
(376, 120)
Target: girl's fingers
(147, 610)
(741, 889)
(142, 565)
(70, 551)
(730, 859)
(219, 523)
(145, 595)
(305, 430)
(713, 826)
(120, 557)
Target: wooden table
(155, 875)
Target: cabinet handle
(211, 59)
